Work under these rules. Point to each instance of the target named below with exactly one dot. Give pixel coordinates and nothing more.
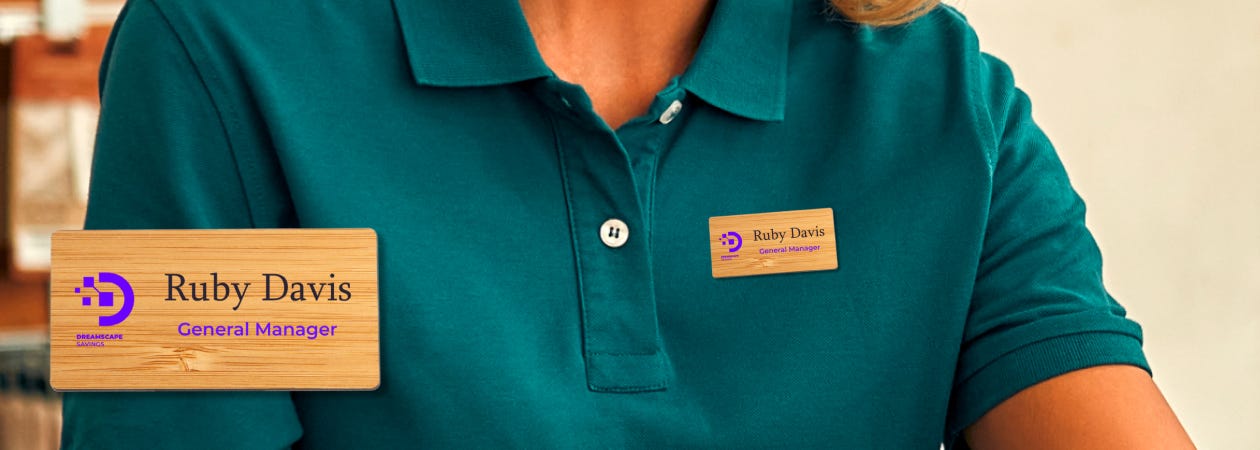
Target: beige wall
(1154, 107)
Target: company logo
(732, 240)
(106, 298)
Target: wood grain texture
(764, 252)
(153, 355)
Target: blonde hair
(883, 12)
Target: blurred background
(49, 54)
(1153, 106)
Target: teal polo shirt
(966, 272)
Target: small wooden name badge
(777, 242)
(292, 309)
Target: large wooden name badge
(291, 309)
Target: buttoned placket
(608, 178)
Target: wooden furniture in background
(37, 68)
(52, 120)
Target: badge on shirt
(292, 309)
(777, 242)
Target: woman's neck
(621, 52)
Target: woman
(541, 177)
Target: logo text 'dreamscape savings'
(105, 299)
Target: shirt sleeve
(163, 159)
(1039, 308)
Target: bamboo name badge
(777, 242)
(292, 309)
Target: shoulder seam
(218, 106)
(979, 108)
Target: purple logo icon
(733, 240)
(106, 298)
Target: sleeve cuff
(1032, 364)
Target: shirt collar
(740, 66)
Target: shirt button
(671, 112)
(614, 233)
